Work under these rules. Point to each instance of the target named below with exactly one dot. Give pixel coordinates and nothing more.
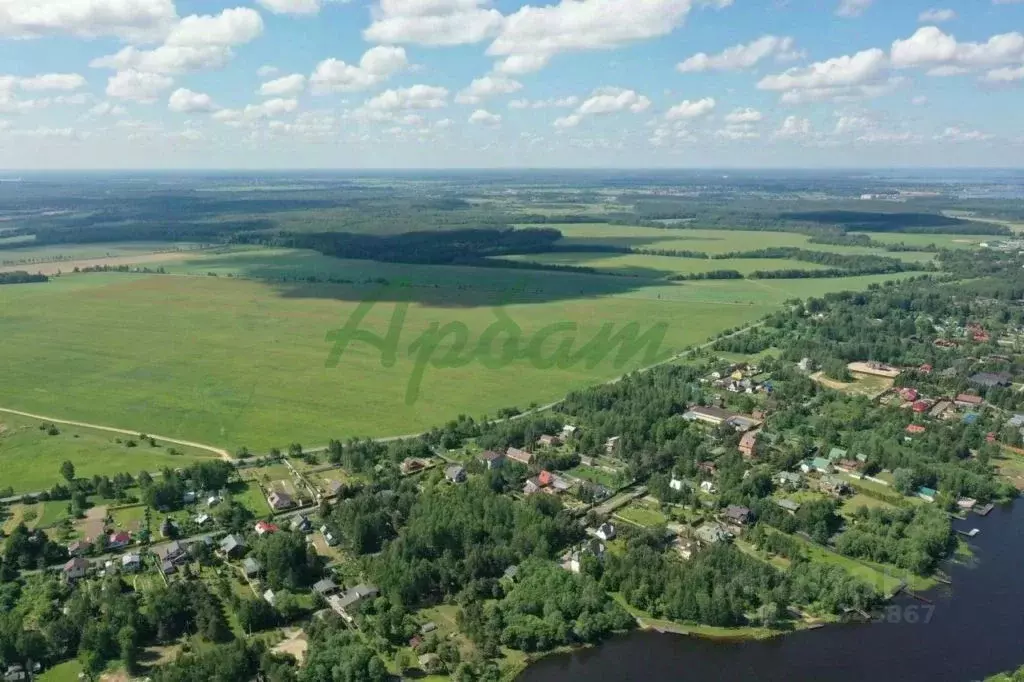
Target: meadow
(30, 458)
(239, 358)
(725, 241)
(642, 265)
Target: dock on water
(983, 511)
(969, 533)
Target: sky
(268, 84)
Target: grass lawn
(241, 361)
(850, 505)
(53, 512)
(62, 672)
(595, 475)
(131, 518)
(642, 514)
(31, 460)
(251, 497)
(888, 492)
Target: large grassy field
(240, 360)
(725, 241)
(640, 265)
(30, 459)
(28, 252)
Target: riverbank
(967, 630)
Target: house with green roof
(927, 494)
(819, 464)
(836, 454)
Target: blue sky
(472, 83)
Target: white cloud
(738, 132)
(291, 6)
(794, 126)
(137, 85)
(936, 16)
(852, 123)
(739, 57)
(375, 66)
(443, 123)
(166, 59)
(554, 102)
(415, 97)
(919, 101)
(195, 43)
(612, 100)
(231, 27)
(184, 101)
(688, 110)
(747, 115)
(1005, 75)
(271, 108)
(484, 117)
(519, 64)
(488, 86)
(842, 71)
(268, 109)
(267, 71)
(432, 22)
(286, 86)
(955, 134)
(607, 100)
(107, 109)
(853, 8)
(535, 33)
(52, 81)
(944, 55)
(128, 19)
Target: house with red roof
(264, 528)
(920, 407)
(119, 539)
(909, 394)
(925, 369)
(915, 429)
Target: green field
(725, 241)
(30, 459)
(232, 361)
(29, 253)
(639, 265)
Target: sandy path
(220, 452)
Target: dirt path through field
(220, 452)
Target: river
(975, 629)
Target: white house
(131, 562)
(676, 483)
(606, 531)
(708, 487)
